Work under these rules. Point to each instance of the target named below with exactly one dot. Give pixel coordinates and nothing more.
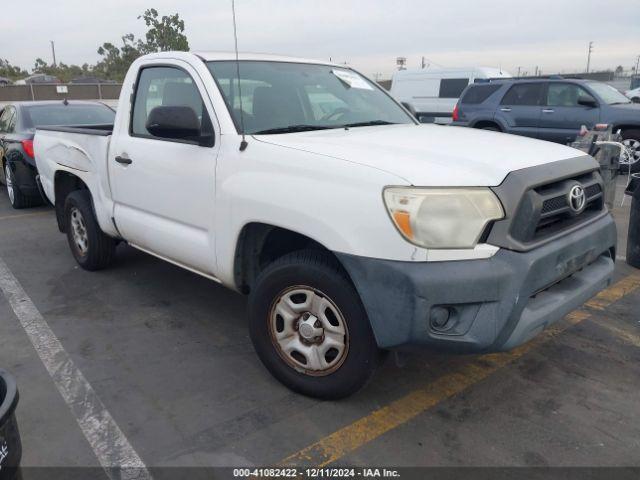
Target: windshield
(69, 115)
(608, 94)
(281, 97)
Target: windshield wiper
(292, 129)
(370, 123)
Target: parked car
(18, 122)
(38, 78)
(552, 109)
(432, 93)
(634, 95)
(5, 81)
(352, 230)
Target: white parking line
(98, 426)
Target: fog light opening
(440, 318)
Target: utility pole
(519, 68)
(589, 56)
(53, 50)
(637, 64)
(424, 63)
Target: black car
(551, 109)
(18, 122)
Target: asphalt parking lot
(168, 354)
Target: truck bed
(81, 150)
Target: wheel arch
(487, 123)
(260, 244)
(64, 183)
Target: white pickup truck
(352, 228)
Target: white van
(433, 93)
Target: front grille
(556, 213)
(536, 203)
(546, 210)
(554, 204)
(558, 203)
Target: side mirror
(180, 123)
(587, 102)
(411, 109)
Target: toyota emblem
(577, 199)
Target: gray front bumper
(495, 304)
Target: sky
(367, 34)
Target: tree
(11, 71)
(164, 33)
(619, 70)
(63, 71)
(116, 61)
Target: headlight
(442, 217)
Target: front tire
(92, 249)
(309, 327)
(631, 139)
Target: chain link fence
(59, 91)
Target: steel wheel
(633, 146)
(80, 236)
(9, 180)
(308, 331)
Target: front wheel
(309, 327)
(631, 140)
(92, 249)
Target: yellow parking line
(623, 334)
(23, 215)
(614, 293)
(336, 445)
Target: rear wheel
(309, 327)
(631, 139)
(16, 197)
(92, 249)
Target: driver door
(563, 116)
(164, 189)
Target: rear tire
(631, 138)
(18, 199)
(295, 338)
(92, 249)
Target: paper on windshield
(353, 80)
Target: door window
(523, 94)
(566, 95)
(452, 87)
(166, 86)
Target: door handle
(548, 110)
(505, 109)
(124, 160)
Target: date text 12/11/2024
(314, 473)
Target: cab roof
(265, 57)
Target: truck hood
(429, 155)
